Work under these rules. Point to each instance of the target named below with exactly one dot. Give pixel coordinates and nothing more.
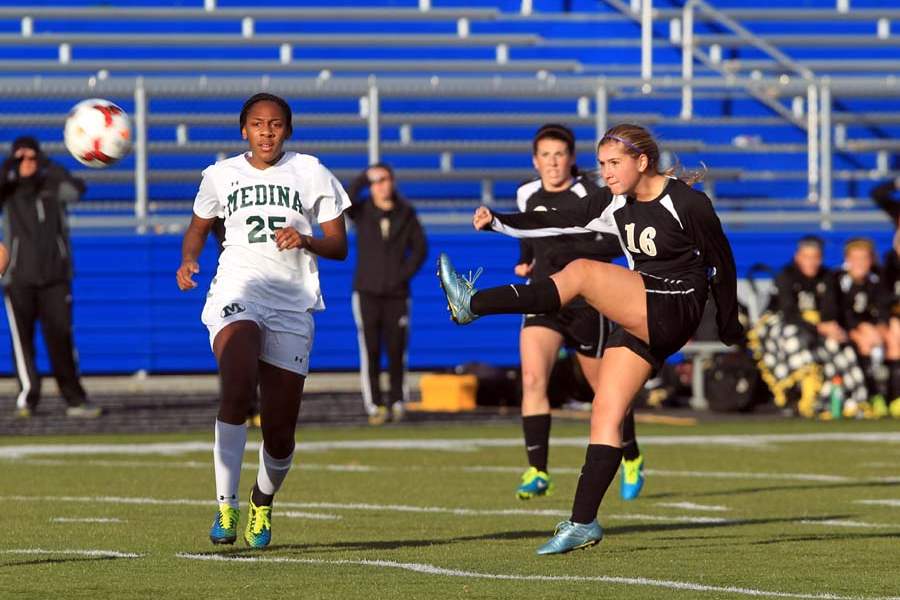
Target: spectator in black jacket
(34, 192)
(390, 248)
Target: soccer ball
(98, 133)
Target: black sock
(630, 450)
(600, 465)
(894, 379)
(537, 440)
(865, 363)
(536, 298)
(260, 499)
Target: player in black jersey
(577, 325)
(863, 311)
(798, 342)
(805, 290)
(890, 272)
(677, 252)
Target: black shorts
(583, 328)
(674, 310)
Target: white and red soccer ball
(97, 133)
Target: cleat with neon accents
(570, 536)
(224, 527)
(258, 533)
(534, 483)
(632, 479)
(458, 289)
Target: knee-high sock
(272, 471)
(600, 465)
(894, 387)
(630, 450)
(538, 297)
(537, 440)
(228, 453)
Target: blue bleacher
(133, 318)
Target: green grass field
(730, 510)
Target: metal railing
(373, 92)
(818, 94)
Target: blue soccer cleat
(224, 527)
(259, 526)
(632, 479)
(534, 483)
(458, 289)
(570, 536)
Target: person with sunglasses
(390, 249)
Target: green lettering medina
(260, 195)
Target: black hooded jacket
(390, 245)
(35, 225)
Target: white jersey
(295, 192)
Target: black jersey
(551, 254)
(860, 302)
(675, 236)
(812, 299)
(890, 279)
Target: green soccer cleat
(458, 289)
(632, 478)
(879, 407)
(572, 536)
(224, 527)
(534, 483)
(84, 411)
(258, 533)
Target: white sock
(272, 471)
(228, 453)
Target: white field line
(187, 464)
(91, 553)
(848, 523)
(360, 506)
(693, 506)
(86, 520)
(449, 445)
(293, 514)
(751, 475)
(427, 569)
(354, 468)
(885, 502)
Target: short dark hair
(811, 240)
(266, 97)
(554, 131)
(382, 165)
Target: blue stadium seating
(134, 318)
(129, 315)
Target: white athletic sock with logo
(272, 471)
(228, 453)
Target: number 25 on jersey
(257, 234)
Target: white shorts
(286, 336)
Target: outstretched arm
(595, 215)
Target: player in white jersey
(260, 303)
